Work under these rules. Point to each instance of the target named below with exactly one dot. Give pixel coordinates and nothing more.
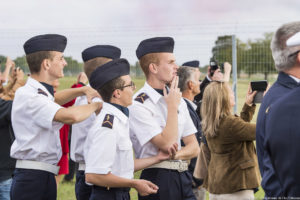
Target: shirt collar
(208, 78)
(152, 93)
(48, 87)
(192, 103)
(295, 78)
(115, 111)
(123, 109)
(34, 83)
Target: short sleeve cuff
(97, 170)
(53, 108)
(143, 139)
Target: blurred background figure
(7, 164)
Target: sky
(194, 24)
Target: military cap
(194, 63)
(155, 45)
(109, 71)
(107, 51)
(47, 42)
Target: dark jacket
(7, 164)
(282, 142)
(203, 85)
(270, 181)
(197, 123)
(233, 165)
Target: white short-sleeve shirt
(148, 117)
(108, 147)
(79, 133)
(36, 134)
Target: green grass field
(66, 191)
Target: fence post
(234, 72)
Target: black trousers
(173, 185)
(82, 190)
(99, 193)
(29, 184)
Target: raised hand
(82, 78)
(174, 96)
(90, 93)
(250, 96)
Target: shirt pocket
(126, 162)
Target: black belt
(122, 189)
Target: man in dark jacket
(189, 85)
(286, 58)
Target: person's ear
(45, 64)
(117, 94)
(190, 85)
(153, 68)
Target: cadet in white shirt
(37, 117)
(93, 57)
(160, 117)
(108, 150)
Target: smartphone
(260, 87)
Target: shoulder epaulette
(108, 121)
(40, 91)
(142, 97)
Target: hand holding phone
(260, 87)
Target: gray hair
(280, 52)
(185, 74)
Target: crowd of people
(179, 131)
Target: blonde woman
(233, 169)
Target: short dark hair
(108, 88)
(35, 60)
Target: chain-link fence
(201, 42)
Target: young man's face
(57, 65)
(167, 67)
(127, 92)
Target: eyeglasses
(293, 54)
(132, 85)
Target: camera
(214, 66)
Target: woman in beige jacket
(233, 170)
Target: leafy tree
(73, 68)
(22, 63)
(254, 56)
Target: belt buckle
(181, 167)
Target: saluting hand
(174, 96)
(145, 188)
